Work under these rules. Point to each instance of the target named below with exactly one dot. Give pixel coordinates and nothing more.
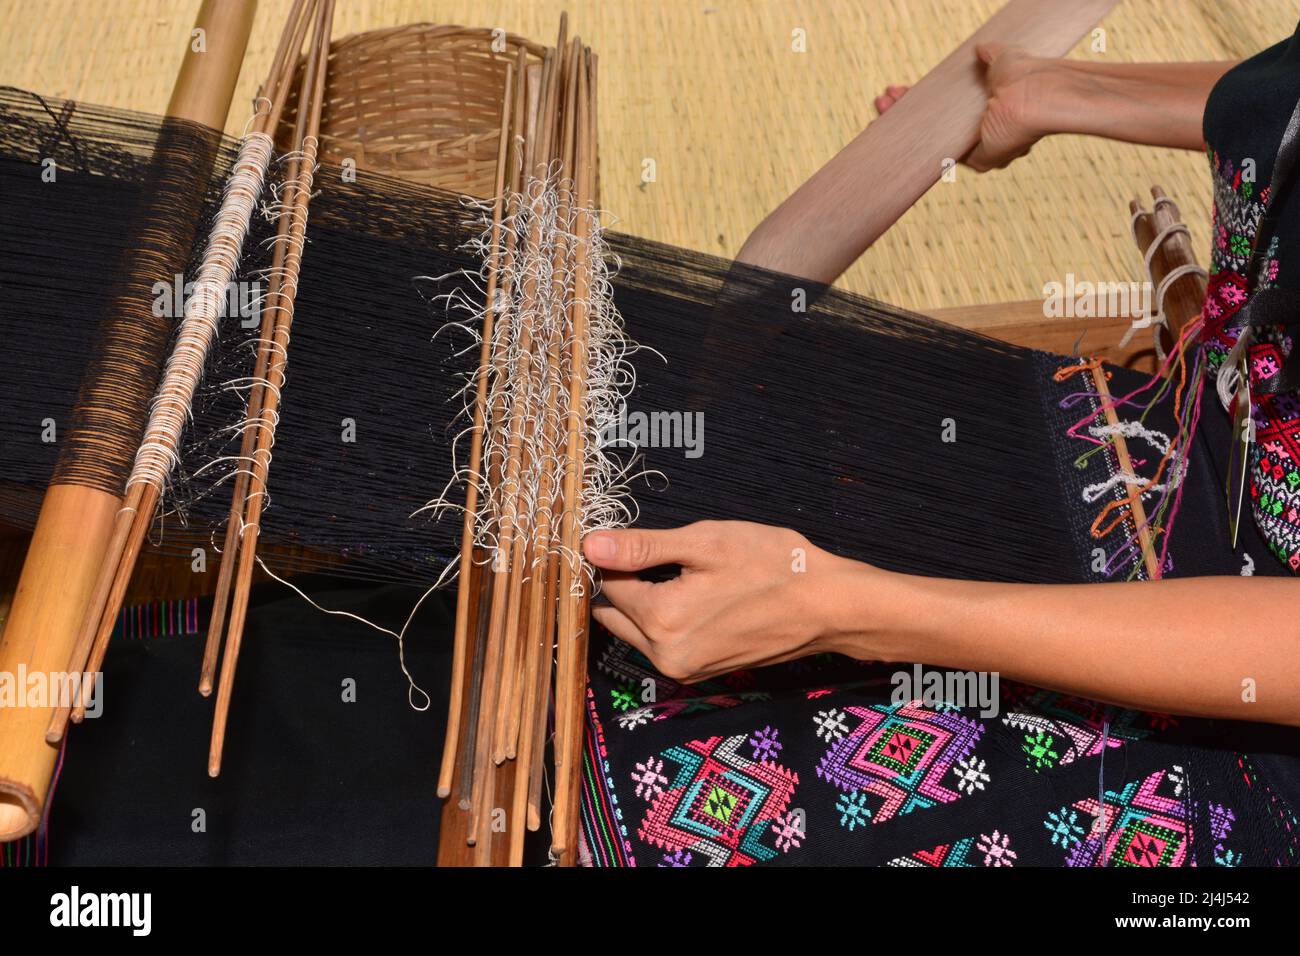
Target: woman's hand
(748, 594)
(1011, 124)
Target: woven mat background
(734, 119)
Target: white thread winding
(171, 406)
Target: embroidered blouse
(1245, 118)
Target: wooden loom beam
(936, 123)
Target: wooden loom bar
(937, 122)
(1133, 493)
(75, 521)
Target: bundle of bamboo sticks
(522, 610)
(159, 450)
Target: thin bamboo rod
(515, 704)
(460, 655)
(1134, 493)
(528, 96)
(521, 461)
(505, 607)
(311, 103)
(570, 682)
(283, 69)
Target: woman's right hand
(1011, 124)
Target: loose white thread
(540, 278)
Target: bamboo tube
(310, 103)
(840, 211)
(75, 522)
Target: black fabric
(307, 778)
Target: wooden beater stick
(311, 103)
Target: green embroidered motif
(1039, 750)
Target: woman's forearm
(1156, 104)
(1213, 647)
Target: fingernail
(600, 547)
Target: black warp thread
(829, 420)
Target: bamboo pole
(75, 522)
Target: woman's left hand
(747, 595)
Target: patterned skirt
(828, 761)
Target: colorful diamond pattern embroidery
(1143, 825)
(902, 754)
(723, 806)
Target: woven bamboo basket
(420, 102)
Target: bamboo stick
(528, 97)
(570, 681)
(520, 461)
(505, 606)
(311, 103)
(461, 638)
(282, 68)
